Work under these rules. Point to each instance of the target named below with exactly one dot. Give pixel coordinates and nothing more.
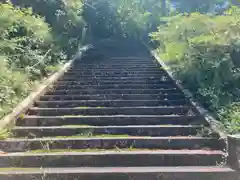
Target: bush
(64, 17)
(204, 52)
(26, 39)
(12, 86)
(29, 50)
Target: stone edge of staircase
(9, 120)
(234, 151)
(215, 125)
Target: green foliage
(64, 17)
(122, 18)
(230, 116)
(203, 52)
(135, 18)
(12, 86)
(25, 39)
(32, 46)
(203, 6)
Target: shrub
(28, 52)
(203, 52)
(64, 17)
(12, 86)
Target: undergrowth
(203, 52)
(31, 49)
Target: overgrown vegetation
(203, 51)
(31, 45)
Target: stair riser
(109, 143)
(105, 111)
(117, 68)
(137, 86)
(113, 79)
(124, 176)
(114, 76)
(116, 82)
(112, 97)
(61, 104)
(116, 63)
(111, 160)
(146, 131)
(117, 91)
(114, 72)
(108, 121)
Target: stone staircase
(118, 118)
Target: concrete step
(146, 130)
(114, 71)
(107, 158)
(119, 120)
(174, 142)
(108, 103)
(116, 68)
(123, 86)
(114, 75)
(170, 96)
(161, 110)
(116, 62)
(112, 91)
(107, 62)
(114, 65)
(121, 173)
(109, 78)
(75, 80)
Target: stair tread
(114, 100)
(111, 138)
(104, 108)
(111, 170)
(102, 116)
(103, 127)
(117, 152)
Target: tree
(203, 6)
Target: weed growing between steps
(83, 135)
(4, 134)
(87, 150)
(89, 135)
(18, 169)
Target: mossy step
(121, 86)
(119, 68)
(180, 110)
(116, 76)
(115, 158)
(109, 103)
(116, 120)
(76, 81)
(175, 142)
(121, 173)
(146, 130)
(160, 97)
